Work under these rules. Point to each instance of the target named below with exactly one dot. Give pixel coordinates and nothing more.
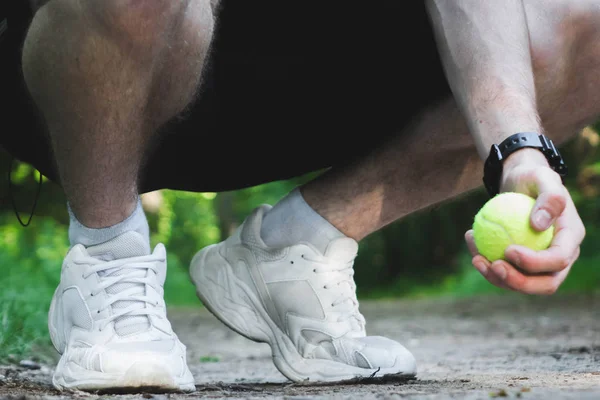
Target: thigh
(300, 91)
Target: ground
(478, 348)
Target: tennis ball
(504, 220)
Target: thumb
(548, 207)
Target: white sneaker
(108, 320)
(299, 301)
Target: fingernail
(542, 219)
(500, 271)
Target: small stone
(29, 364)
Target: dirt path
(514, 347)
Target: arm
(484, 47)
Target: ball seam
(501, 226)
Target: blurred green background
(423, 254)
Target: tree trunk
(225, 214)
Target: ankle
(293, 221)
(88, 236)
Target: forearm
(484, 46)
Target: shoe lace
(341, 277)
(128, 268)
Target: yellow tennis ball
(504, 220)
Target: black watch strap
(492, 172)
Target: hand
(527, 271)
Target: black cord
(12, 199)
(374, 373)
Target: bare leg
(106, 74)
(435, 159)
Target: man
(116, 83)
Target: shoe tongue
(130, 244)
(343, 249)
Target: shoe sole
(146, 377)
(236, 305)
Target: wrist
(526, 156)
(519, 152)
(489, 123)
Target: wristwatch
(492, 170)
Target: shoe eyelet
(315, 270)
(325, 287)
(291, 262)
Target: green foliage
(467, 281)
(186, 222)
(31, 261)
(248, 199)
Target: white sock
(81, 234)
(292, 220)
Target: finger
(569, 234)
(549, 206)
(543, 284)
(483, 265)
(471, 243)
(554, 259)
(481, 260)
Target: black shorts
(290, 88)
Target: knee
(133, 23)
(565, 37)
(138, 22)
(565, 48)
